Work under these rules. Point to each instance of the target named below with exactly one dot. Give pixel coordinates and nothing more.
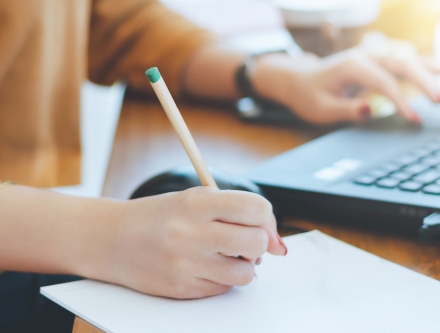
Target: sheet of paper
(322, 285)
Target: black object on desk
(259, 110)
(185, 177)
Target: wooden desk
(146, 144)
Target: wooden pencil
(173, 113)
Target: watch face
(247, 108)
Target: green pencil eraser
(153, 74)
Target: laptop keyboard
(414, 171)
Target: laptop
(383, 174)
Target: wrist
(97, 235)
(272, 75)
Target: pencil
(173, 113)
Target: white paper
(322, 285)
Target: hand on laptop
(314, 87)
(187, 244)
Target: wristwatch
(243, 73)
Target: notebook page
(322, 285)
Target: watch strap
(243, 73)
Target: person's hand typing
(314, 88)
(190, 244)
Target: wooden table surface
(146, 144)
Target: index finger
(247, 209)
(370, 75)
(415, 71)
(240, 207)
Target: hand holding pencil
(189, 244)
(275, 244)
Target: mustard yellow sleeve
(127, 37)
(16, 22)
(2, 186)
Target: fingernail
(282, 244)
(258, 261)
(416, 118)
(365, 111)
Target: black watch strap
(242, 75)
(242, 80)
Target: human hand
(314, 88)
(190, 244)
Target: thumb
(348, 109)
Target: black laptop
(385, 173)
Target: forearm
(42, 231)
(167, 245)
(211, 71)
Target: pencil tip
(153, 74)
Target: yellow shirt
(47, 49)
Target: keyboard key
(427, 176)
(421, 151)
(390, 166)
(433, 145)
(401, 175)
(388, 182)
(365, 180)
(406, 159)
(411, 186)
(378, 172)
(416, 168)
(432, 189)
(431, 160)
